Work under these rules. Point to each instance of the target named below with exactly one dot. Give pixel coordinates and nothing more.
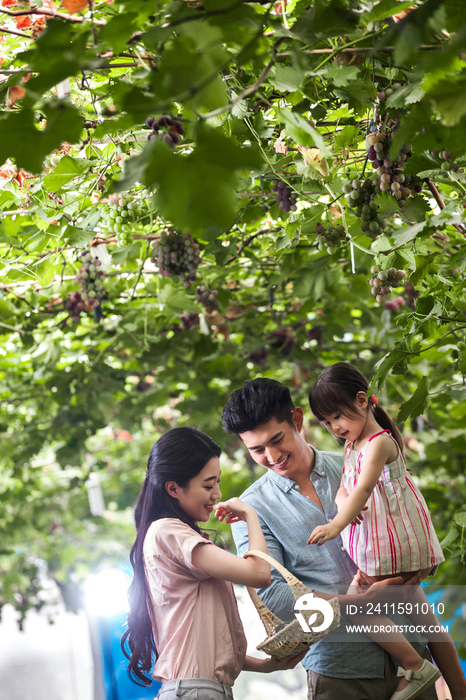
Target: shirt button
(323, 473)
(296, 487)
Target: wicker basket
(285, 639)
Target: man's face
(279, 446)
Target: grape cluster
(330, 238)
(75, 305)
(206, 296)
(88, 277)
(393, 305)
(447, 163)
(410, 294)
(361, 195)
(258, 357)
(176, 254)
(382, 280)
(174, 127)
(285, 196)
(188, 321)
(390, 172)
(118, 215)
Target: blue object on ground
(117, 683)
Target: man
(296, 495)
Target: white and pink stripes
(397, 534)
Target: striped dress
(396, 534)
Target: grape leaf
(301, 131)
(18, 130)
(449, 97)
(450, 538)
(388, 206)
(287, 78)
(417, 403)
(67, 169)
(322, 21)
(383, 367)
(425, 265)
(408, 94)
(118, 31)
(415, 210)
(404, 235)
(341, 75)
(383, 10)
(460, 519)
(77, 237)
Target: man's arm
(278, 596)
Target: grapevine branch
(356, 49)
(34, 10)
(436, 195)
(16, 33)
(249, 240)
(70, 278)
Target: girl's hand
(274, 664)
(323, 533)
(357, 520)
(232, 511)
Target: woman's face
(199, 497)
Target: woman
(183, 612)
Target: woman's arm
(377, 454)
(220, 564)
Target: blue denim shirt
(287, 519)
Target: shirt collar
(286, 484)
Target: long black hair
(335, 391)
(179, 455)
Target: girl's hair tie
(374, 399)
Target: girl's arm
(220, 564)
(340, 500)
(342, 495)
(378, 452)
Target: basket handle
(268, 618)
(292, 581)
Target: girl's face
(199, 497)
(349, 427)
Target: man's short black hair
(255, 403)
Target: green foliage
(261, 97)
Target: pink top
(397, 534)
(197, 628)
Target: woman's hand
(323, 533)
(232, 511)
(274, 664)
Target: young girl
(394, 535)
(183, 611)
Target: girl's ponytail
(387, 423)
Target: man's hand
(274, 664)
(357, 520)
(323, 533)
